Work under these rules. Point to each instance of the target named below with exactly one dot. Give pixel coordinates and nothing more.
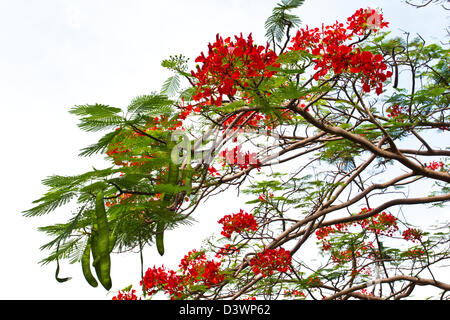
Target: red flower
(156, 279)
(415, 253)
(294, 293)
(213, 171)
(238, 222)
(229, 66)
(126, 296)
(435, 165)
(396, 111)
(412, 235)
(324, 232)
(197, 269)
(333, 54)
(381, 223)
(271, 260)
(226, 250)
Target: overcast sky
(56, 54)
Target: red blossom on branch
(230, 66)
(213, 171)
(435, 165)
(411, 234)
(238, 222)
(226, 250)
(130, 295)
(195, 269)
(271, 260)
(329, 45)
(380, 223)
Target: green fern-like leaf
(171, 85)
(97, 111)
(97, 117)
(276, 24)
(49, 202)
(151, 105)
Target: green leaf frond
(276, 24)
(100, 146)
(171, 86)
(152, 105)
(49, 202)
(97, 117)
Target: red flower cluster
(396, 111)
(238, 222)
(229, 66)
(362, 271)
(130, 295)
(332, 53)
(271, 260)
(294, 293)
(435, 165)
(313, 281)
(262, 197)
(165, 123)
(195, 269)
(156, 279)
(257, 119)
(364, 20)
(323, 232)
(381, 223)
(213, 171)
(366, 293)
(343, 255)
(372, 68)
(226, 250)
(412, 235)
(415, 253)
(186, 110)
(250, 119)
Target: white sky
(57, 54)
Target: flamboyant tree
(334, 133)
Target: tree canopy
(334, 132)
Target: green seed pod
(86, 267)
(60, 280)
(101, 263)
(102, 221)
(95, 252)
(100, 244)
(105, 271)
(160, 238)
(172, 179)
(112, 241)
